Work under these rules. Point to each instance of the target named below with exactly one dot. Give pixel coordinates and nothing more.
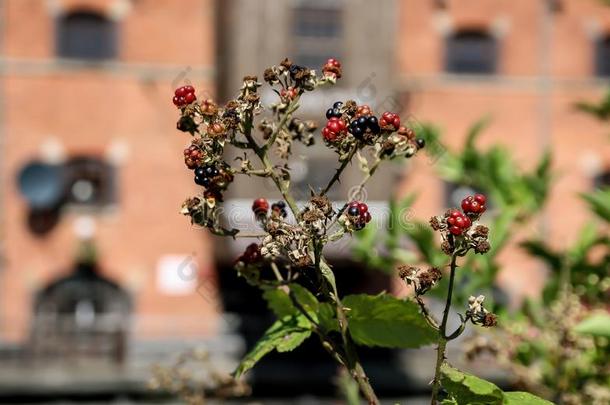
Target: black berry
(420, 143)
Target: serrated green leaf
(284, 335)
(279, 302)
(595, 325)
(469, 389)
(385, 321)
(523, 398)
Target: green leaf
(305, 298)
(279, 302)
(599, 202)
(327, 317)
(523, 398)
(595, 325)
(328, 274)
(469, 389)
(385, 321)
(284, 335)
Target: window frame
(602, 56)
(486, 66)
(108, 34)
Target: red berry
(455, 230)
(390, 119)
(363, 208)
(334, 128)
(480, 198)
(189, 89)
(333, 62)
(176, 101)
(458, 222)
(474, 204)
(181, 91)
(260, 206)
(189, 98)
(367, 217)
(475, 207)
(251, 255)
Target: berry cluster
(390, 120)
(251, 255)
(334, 130)
(193, 157)
(474, 205)
(184, 95)
(359, 215)
(204, 175)
(332, 68)
(335, 110)
(359, 127)
(457, 222)
(279, 209)
(363, 110)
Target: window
(90, 181)
(471, 52)
(602, 63)
(602, 180)
(86, 35)
(317, 34)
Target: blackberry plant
(292, 238)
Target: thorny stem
(337, 175)
(424, 310)
(442, 333)
(363, 182)
(349, 358)
(261, 152)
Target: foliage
(288, 248)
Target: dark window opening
(602, 180)
(602, 63)
(90, 181)
(86, 35)
(471, 52)
(317, 34)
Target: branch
(337, 175)
(424, 310)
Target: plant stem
(261, 152)
(352, 361)
(442, 333)
(337, 175)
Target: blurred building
(85, 91)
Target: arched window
(471, 52)
(602, 56)
(86, 35)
